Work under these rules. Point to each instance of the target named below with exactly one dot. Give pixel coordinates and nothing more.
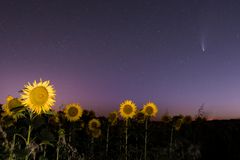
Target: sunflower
(128, 109)
(38, 97)
(150, 109)
(12, 107)
(166, 118)
(10, 103)
(178, 124)
(73, 111)
(113, 117)
(140, 117)
(54, 118)
(94, 124)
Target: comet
(203, 44)
(203, 48)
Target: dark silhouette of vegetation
(178, 137)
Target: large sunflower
(150, 109)
(38, 97)
(128, 109)
(94, 124)
(11, 104)
(73, 111)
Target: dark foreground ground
(206, 140)
(196, 140)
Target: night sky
(178, 54)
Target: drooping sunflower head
(113, 117)
(94, 124)
(11, 107)
(54, 118)
(140, 117)
(73, 111)
(128, 109)
(166, 118)
(61, 132)
(38, 97)
(150, 109)
(178, 124)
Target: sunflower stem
(170, 145)
(58, 147)
(92, 148)
(61, 140)
(107, 140)
(29, 135)
(145, 140)
(57, 153)
(44, 151)
(28, 138)
(70, 135)
(29, 132)
(126, 140)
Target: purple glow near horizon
(101, 53)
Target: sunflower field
(31, 129)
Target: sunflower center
(72, 111)
(94, 125)
(127, 109)
(39, 95)
(149, 110)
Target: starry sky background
(178, 54)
